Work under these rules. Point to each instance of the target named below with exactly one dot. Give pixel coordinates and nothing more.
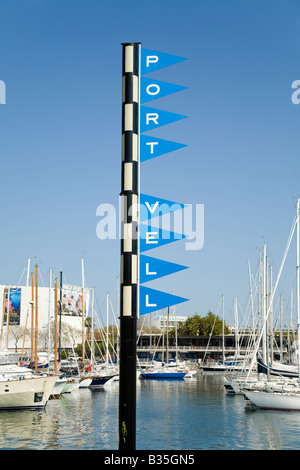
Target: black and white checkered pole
(129, 245)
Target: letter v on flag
(151, 300)
(153, 268)
(151, 207)
(151, 147)
(154, 60)
(154, 89)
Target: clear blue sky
(60, 143)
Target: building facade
(160, 321)
(19, 305)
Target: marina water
(190, 414)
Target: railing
(196, 348)
(188, 348)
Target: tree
(147, 330)
(202, 326)
(100, 337)
(18, 332)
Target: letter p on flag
(153, 60)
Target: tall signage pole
(129, 245)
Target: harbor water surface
(190, 414)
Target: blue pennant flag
(151, 300)
(151, 147)
(153, 268)
(154, 89)
(151, 207)
(153, 60)
(152, 237)
(152, 118)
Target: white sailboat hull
(85, 383)
(274, 400)
(31, 392)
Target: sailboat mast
(32, 316)
(55, 326)
(83, 349)
(49, 313)
(163, 339)
(2, 320)
(106, 354)
(280, 328)
(24, 337)
(167, 348)
(93, 334)
(176, 340)
(7, 316)
(236, 317)
(259, 294)
(223, 330)
(290, 327)
(60, 312)
(298, 288)
(264, 309)
(251, 295)
(28, 272)
(271, 317)
(36, 317)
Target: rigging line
(12, 262)
(101, 328)
(141, 328)
(116, 324)
(39, 272)
(19, 283)
(211, 332)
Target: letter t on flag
(151, 147)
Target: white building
(160, 320)
(21, 301)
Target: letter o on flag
(156, 89)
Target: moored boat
(27, 392)
(278, 369)
(99, 381)
(162, 374)
(63, 385)
(285, 398)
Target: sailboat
(284, 395)
(280, 395)
(278, 369)
(98, 376)
(22, 387)
(259, 373)
(23, 390)
(163, 372)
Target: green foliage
(202, 326)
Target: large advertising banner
(72, 301)
(12, 305)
